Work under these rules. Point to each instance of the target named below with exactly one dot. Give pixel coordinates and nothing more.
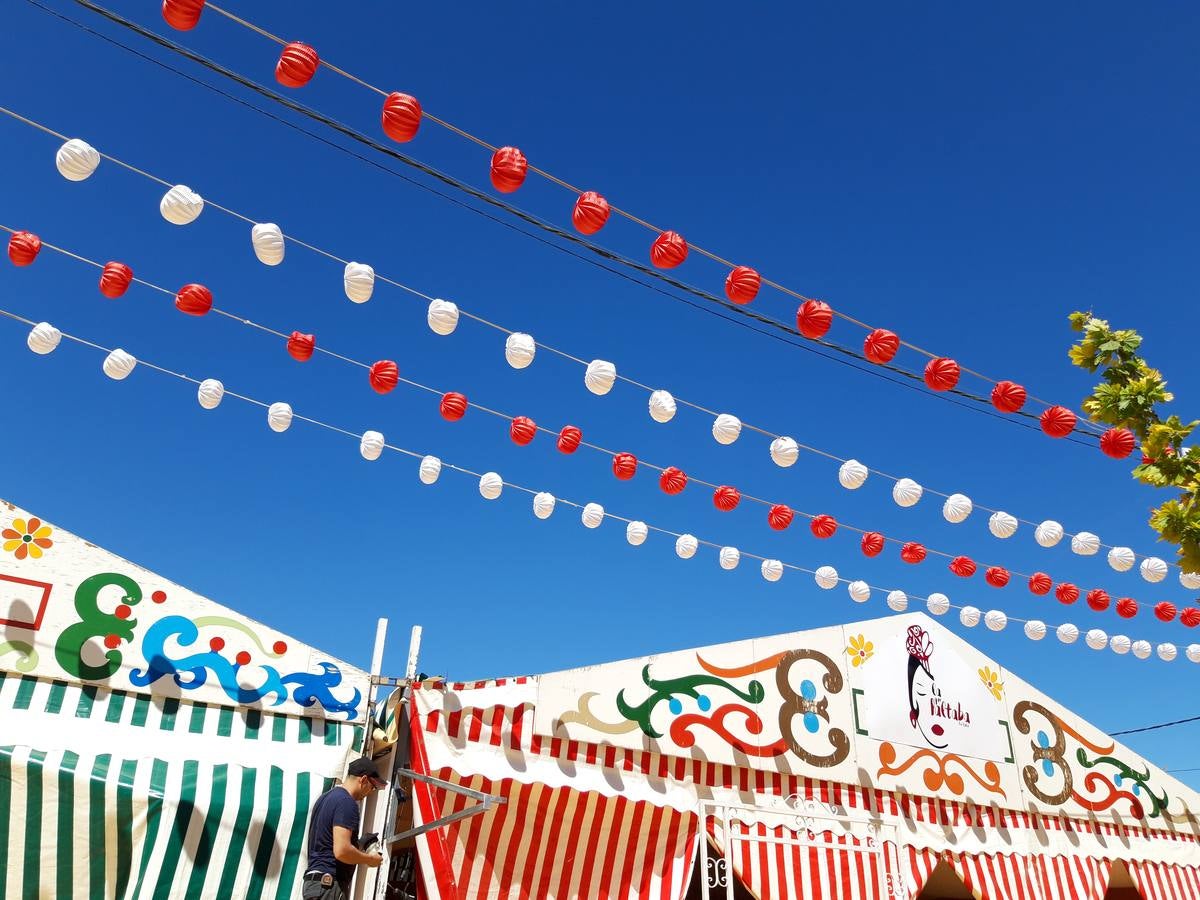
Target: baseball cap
(365, 766)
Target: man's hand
(374, 860)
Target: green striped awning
(186, 800)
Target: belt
(318, 876)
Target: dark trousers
(314, 890)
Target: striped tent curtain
(1163, 881)
(109, 794)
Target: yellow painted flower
(991, 681)
(27, 538)
(860, 650)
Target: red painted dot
(159, 597)
(217, 644)
(280, 647)
(112, 642)
(122, 611)
(242, 658)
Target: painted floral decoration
(991, 681)
(27, 538)
(860, 650)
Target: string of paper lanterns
(509, 167)
(491, 486)
(520, 350)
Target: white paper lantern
(543, 504)
(726, 428)
(635, 533)
(1193, 652)
(685, 546)
(599, 376)
(1121, 558)
(826, 577)
(359, 281)
(279, 417)
(181, 205)
(1167, 652)
(1141, 649)
(442, 316)
(852, 474)
(957, 507)
(118, 365)
(730, 557)
(76, 160)
(43, 338)
(1085, 544)
(938, 604)
(519, 349)
(1035, 629)
(1096, 638)
(662, 406)
(784, 452)
(210, 393)
(371, 445)
(1190, 580)
(1067, 633)
(969, 616)
(1153, 569)
(430, 469)
(1120, 644)
(1002, 525)
(490, 485)
(772, 569)
(897, 601)
(592, 515)
(907, 492)
(1049, 533)
(995, 620)
(860, 591)
(267, 240)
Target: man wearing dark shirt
(332, 855)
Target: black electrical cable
(1155, 727)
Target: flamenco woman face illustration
(921, 686)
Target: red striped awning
(1012, 876)
(1163, 881)
(1071, 877)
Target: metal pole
(379, 884)
(414, 650)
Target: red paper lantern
(523, 430)
(1127, 607)
(881, 346)
(625, 467)
(193, 299)
(962, 566)
(1098, 599)
(912, 552)
(873, 543)
(672, 480)
(668, 250)
(823, 526)
(742, 284)
(401, 116)
(1008, 396)
(115, 279)
(297, 65)
(1066, 593)
(780, 516)
(453, 406)
(384, 376)
(591, 213)
(182, 15)
(1040, 583)
(996, 576)
(1164, 611)
(569, 439)
(814, 318)
(1190, 616)
(1117, 442)
(23, 247)
(1058, 421)
(726, 498)
(942, 374)
(301, 346)
(509, 168)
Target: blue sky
(964, 176)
